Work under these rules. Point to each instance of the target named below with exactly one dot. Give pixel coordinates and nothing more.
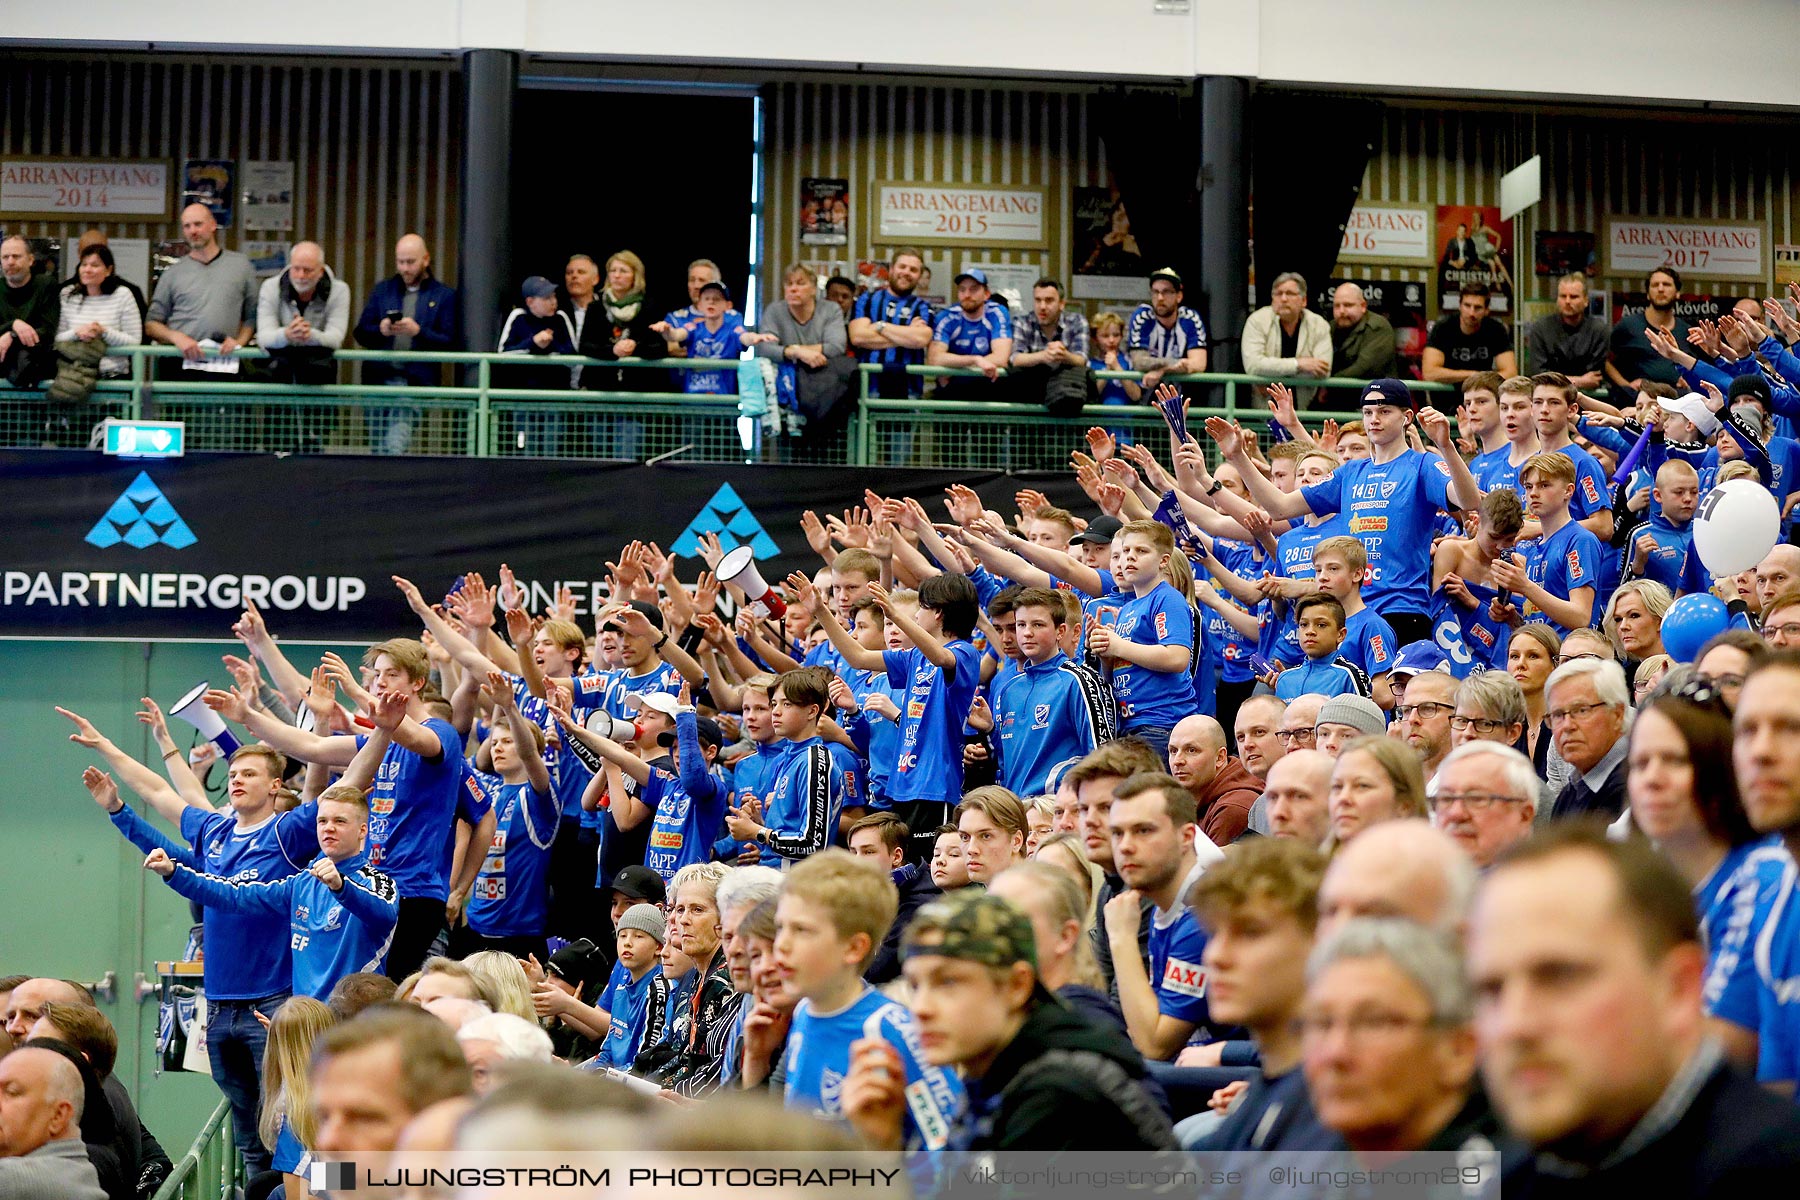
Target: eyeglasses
(1790, 630)
(1562, 659)
(1481, 724)
(1427, 711)
(1578, 711)
(1361, 1024)
(1289, 736)
(1473, 801)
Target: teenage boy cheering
(1055, 710)
(1392, 499)
(940, 674)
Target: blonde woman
(286, 1125)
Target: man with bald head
(1223, 790)
(41, 1153)
(302, 316)
(208, 294)
(30, 306)
(1297, 799)
(1404, 869)
(1362, 342)
(1777, 572)
(409, 310)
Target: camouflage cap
(972, 925)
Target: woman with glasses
(1634, 621)
(1377, 778)
(1530, 657)
(1683, 795)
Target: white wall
(1744, 54)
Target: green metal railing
(212, 1169)
(485, 414)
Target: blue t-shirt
(1154, 699)
(1734, 904)
(511, 896)
(331, 934)
(625, 1001)
(1144, 332)
(963, 334)
(726, 342)
(1177, 945)
(928, 764)
(1393, 508)
(818, 1057)
(1566, 560)
(250, 948)
(410, 807)
(1368, 642)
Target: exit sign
(145, 439)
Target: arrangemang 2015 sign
(97, 547)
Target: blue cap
(1389, 391)
(538, 288)
(975, 273)
(1415, 658)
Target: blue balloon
(1690, 623)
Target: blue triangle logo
(141, 517)
(728, 516)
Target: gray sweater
(57, 1170)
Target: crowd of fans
(1338, 795)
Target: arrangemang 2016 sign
(97, 547)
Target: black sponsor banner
(105, 547)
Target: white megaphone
(192, 709)
(609, 726)
(739, 569)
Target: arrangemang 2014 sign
(97, 547)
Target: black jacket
(1733, 1139)
(913, 881)
(1063, 1083)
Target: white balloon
(1736, 526)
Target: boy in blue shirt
(1339, 564)
(976, 333)
(509, 905)
(1151, 649)
(1319, 619)
(940, 674)
(1053, 712)
(1555, 574)
(341, 909)
(835, 908)
(803, 795)
(719, 333)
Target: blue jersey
(1222, 639)
(1778, 985)
(1734, 904)
(690, 809)
(882, 306)
(1046, 718)
(1177, 945)
(1470, 637)
(1393, 508)
(332, 934)
(410, 807)
(725, 342)
(625, 1001)
(1560, 563)
(1154, 699)
(511, 897)
(1334, 676)
(818, 1057)
(805, 794)
(878, 737)
(928, 764)
(963, 334)
(250, 948)
(1144, 332)
(1368, 642)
